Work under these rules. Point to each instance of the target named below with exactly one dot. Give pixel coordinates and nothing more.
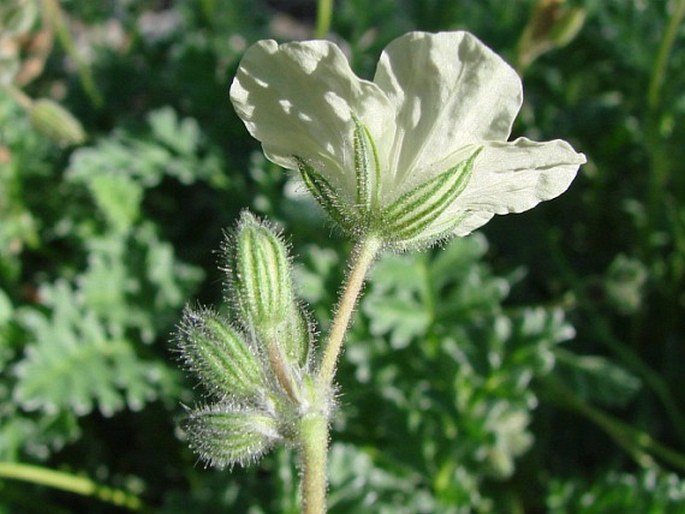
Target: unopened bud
(224, 434)
(264, 289)
(551, 25)
(219, 355)
(56, 122)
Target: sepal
(408, 216)
(367, 168)
(328, 197)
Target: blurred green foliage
(536, 366)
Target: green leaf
(119, 198)
(395, 308)
(181, 135)
(171, 148)
(646, 490)
(597, 379)
(359, 480)
(73, 363)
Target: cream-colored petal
(449, 90)
(515, 177)
(298, 99)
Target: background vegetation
(536, 366)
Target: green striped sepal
(407, 221)
(354, 212)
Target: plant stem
(657, 79)
(314, 424)
(324, 13)
(660, 165)
(53, 16)
(363, 257)
(314, 437)
(68, 482)
(637, 443)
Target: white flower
(418, 154)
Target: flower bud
(264, 290)
(551, 25)
(219, 355)
(225, 434)
(56, 122)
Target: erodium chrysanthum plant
(416, 156)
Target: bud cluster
(257, 365)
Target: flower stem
(314, 440)
(71, 483)
(363, 257)
(657, 79)
(324, 14)
(314, 425)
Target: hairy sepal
(264, 290)
(329, 198)
(408, 217)
(367, 169)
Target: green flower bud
(56, 122)
(264, 290)
(225, 435)
(552, 25)
(219, 355)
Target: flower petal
(299, 99)
(449, 91)
(515, 177)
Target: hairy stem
(314, 425)
(364, 255)
(314, 437)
